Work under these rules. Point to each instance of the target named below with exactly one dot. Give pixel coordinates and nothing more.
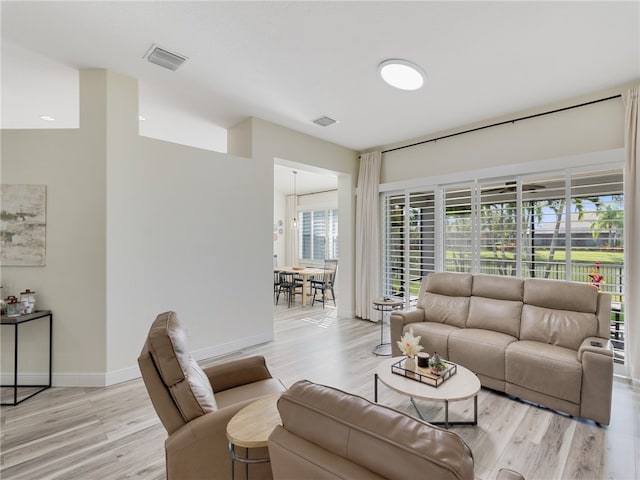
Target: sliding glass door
(566, 225)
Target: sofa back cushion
(380, 439)
(444, 297)
(186, 381)
(496, 304)
(558, 312)
(497, 315)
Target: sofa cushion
(496, 315)
(445, 297)
(481, 351)
(370, 435)
(445, 309)
(435, 336)
(544, 368)
(561, 295)
(500, 288)
(557, 327)
(450, 284)
(187, 383)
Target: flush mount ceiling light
(402, 74)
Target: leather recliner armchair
(327, 433)
(195, 405)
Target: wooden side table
(16, 322)
(385, 305)
(250, 428)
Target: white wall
(135, 227)
(279, 209)
(588, 129)
(183, 225)
(316, 201)
(265, 141)
(71, 163)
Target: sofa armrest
(237, 372)
(397, 321)
(407, 316)
(600, 346)
(597, 380)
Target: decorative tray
(424, 375)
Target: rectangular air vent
(165, 58)
(324, 121)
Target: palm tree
(558, 208)
(610, 220)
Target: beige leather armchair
(195, 405)
(330, 434)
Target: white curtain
(291, 233)
(368, 235)
(632, 231)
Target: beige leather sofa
(330, 434)
(195, 405)
(545, 341)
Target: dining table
(305, 273)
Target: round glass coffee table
(461, 386)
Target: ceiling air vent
(165, 58)
(324, 121)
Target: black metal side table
(384, 305)
(16, 322)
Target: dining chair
(276, 284)
(326, 283)
(289, 285)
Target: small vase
(410, 364)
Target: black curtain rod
(503, 123)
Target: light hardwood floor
(114, 433)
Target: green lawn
(578, 256)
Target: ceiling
(291, 62)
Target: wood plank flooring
(114, 433)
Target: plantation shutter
(393, 245)
(458, 229)
(422, 247)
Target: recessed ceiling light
(141, 118)
(47, 118)
(401, 74)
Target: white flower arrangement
(409, 344)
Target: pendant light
(294, 223)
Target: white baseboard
(128, 373)
(346, 313)
(79, 379)
(233, 346)
(25, 378)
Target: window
(458, 221)
(318, 234)
(410, 242)
(566, 225)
